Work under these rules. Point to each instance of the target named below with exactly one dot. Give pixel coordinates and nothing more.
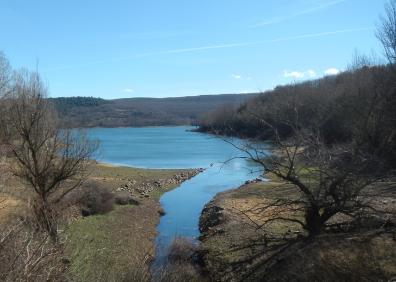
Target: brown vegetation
(182, 263)
(96, 199)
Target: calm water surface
(176, 147)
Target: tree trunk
(313, 221)
(46, 218)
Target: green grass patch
(103, 247)
(157, 193)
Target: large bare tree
(329, 179)
(50, 161)
(324, 182)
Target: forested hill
(97, 112)
(357, 105)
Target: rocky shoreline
(211, 217)
(221, 230)
(144, 189)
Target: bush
(124, 198)
(182, 250)
(182, 263)
(96, 199)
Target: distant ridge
(98, 112)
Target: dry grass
(9, 208)
(345, 257)
(105, 246)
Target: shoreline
(109, 164)
(146, 126)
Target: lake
(178, 147)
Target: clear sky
(162, 48)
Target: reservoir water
(177, 147)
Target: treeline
(356, 105)
(65, 104)
(97, 112)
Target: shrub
(182, 250)
(124, 198)
(96, 199)
(182, 263)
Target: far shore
(146, 126)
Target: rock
(210, 217)
(256, 180)
(161, 212)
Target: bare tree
(386, 31)
(50, 161)
(329, 180)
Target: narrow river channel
(177, 147)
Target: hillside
(357, 104)
(97, 112)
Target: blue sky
(116, 49)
